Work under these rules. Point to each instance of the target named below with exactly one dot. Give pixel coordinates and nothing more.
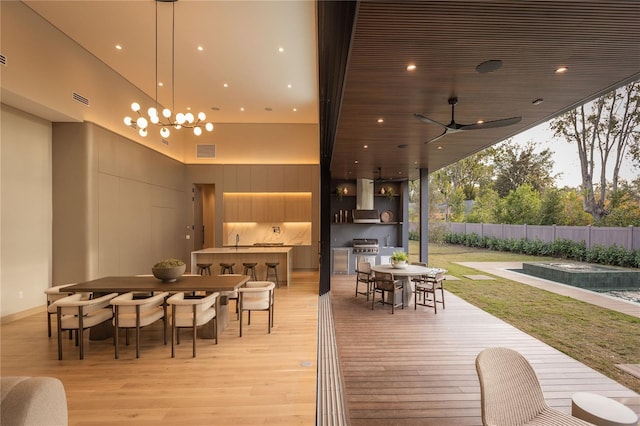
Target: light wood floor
(418, 368)
(257, 379)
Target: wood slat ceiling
(599, 41)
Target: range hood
(364, 211)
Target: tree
(516, 165)
(605, 131)
(521, 206)
(484, 209)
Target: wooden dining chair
(426, 285)
(364, 275)
(383, 284)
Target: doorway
(204, 214)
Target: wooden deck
(418, 368)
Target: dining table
(405, 273)
(148, 284)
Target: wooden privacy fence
(627, 237)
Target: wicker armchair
(511, 394)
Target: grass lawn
(595, 336)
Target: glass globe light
(166, 112)
(143, 132)
(209, 127)
(154, 119)
(189, 117)
(202, 116)
(197, 131)
(180, 118)
(152, 112)
(177, 127)
(127, 121)
(142, 122)
(135, 106)
(164, 132)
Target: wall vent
(205, 151)
(3, 60)
(79, 98)
(164, 141)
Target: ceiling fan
(454, 127)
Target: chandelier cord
(156, 55)
(173, 54)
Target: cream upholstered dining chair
(232, 294)
(75, 313)
(429, 285)
(192, 312)
(511, 394)
(55, 293)
(364, 275)
(131, 311)
(256, 296)
(383, 284)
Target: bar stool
(226, 268)
(204, 268)
(272, 271)
(250, 269)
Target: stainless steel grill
(365, 246)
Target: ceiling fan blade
(491, 124)
(438, 137)
(428, 120)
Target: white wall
(26, 210)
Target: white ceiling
(240, 41)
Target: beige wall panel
(108, 154)
(243, 177)
(108, 224)
(275, 179)
(134, 162)
(72, 189)
(26, 197)
(291, 183)
(230, 172)
(134, 210)
(259, 179)
(166, 234)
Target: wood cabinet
(272, 207)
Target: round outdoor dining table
(405, 274)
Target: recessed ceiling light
(289, 86)
(295, 109)
(200, 48)
(280, 49)
(118, 46)
(479, 121)
(356, 162)
(440, 147)
(489, 66)
(188, 108)
(160, 84)
(537, 101)
(225, 85)
(366, 146)
(411, 67)
(380, 120)
(562, 69)
(241, 108)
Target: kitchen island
(259, 255)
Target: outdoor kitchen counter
(256, 254)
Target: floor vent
(205, 151)
(79, 98)
(3, 59)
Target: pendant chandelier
(166, 119)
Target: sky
(566, 159)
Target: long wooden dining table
(149, 283)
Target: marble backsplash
(287, 233)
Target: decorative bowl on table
(399, 264)
(169, 270)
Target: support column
(424, 215)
